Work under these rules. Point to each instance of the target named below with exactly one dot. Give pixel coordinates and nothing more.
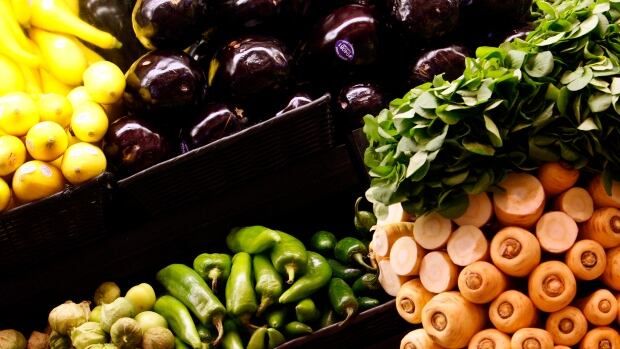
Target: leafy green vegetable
(552, 96)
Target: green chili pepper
(258, 339)
(277, 317)
(364, 220)
(366, 284)
(306, 311)
(179, 344)
(205, 333)
(297, 329)
(344, 272)
(254, 239)
(179, 320)
(214, 267)
(231, 339)
(366, 303)
(317, 275)
(289, 256)
(240, 297)
(342, 299)
(268, 282)
(275, 338)
(323, 242)
(351, 249)
(186, 285)
(328, 318)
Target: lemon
(89, 122)
(35, 180)
(12, 154)
(56, 108)
(18, 113)
(72, 138)
(81, 162)
(79, 95)
(105, 82)
(12, 77)
(46, 141)
(5, 195)
(57, 163)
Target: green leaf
(437, 142)
(416, 162)
(406, 146)
(478, 148)
(456, 179)
(516, 59)
(599, 102)
(552, 39)
(563, 100)
(582, 81)
(481, 185)
(540, 64)
(586, 27)
(601, 8)
(453, 205)
(547, 8)
(570, 76)
(615, 86)
(427, 101)
(493, 132)
(451, 114)
(588, 125)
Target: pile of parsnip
(535, 265)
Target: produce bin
(215, 168)
(38, 231)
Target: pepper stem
(350, 315)
(218, 323)
(264, 303)
(214, 275)
(290, 271)
(359, 258)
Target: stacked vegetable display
(53, 99)
(272, 289)
(538, 262)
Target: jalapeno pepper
(179, 320)
(364, 220)
(344, 272)
(328, 318)
(366, 284)
(342, 299)
(179, 344)
(213, 267)
(276, 318)
(254, 239)
(289, 256)
(231, 339)
(323, 242)
(317, 275)
(187, 286)
(258, 339)
(351, 249)
(240, 297)
(297, 329)
(205, 333)
(275, 338)
(268, 282)
(366, 303)
(306, 311)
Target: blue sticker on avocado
(344, 50)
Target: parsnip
(481, 282)
(515, 251)
(467, 245)
(567, 326)
(557, 177)
(577, 203)
(479, 211)
(384, 236)
(552, 286)
(586, 259)
(438, 273)
(603, 227)
(522, 201)
(411, 299)
(531, 338)
(600, 196)
(406, 256)
(611, 275)
(600, 308)
(389, 280)
(418, 339)
(432, 231)
(556, 232)
(511, 311)
(601, 338)
(489, 339)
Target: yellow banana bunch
(13, 41)
(62, 55)
(56, 16)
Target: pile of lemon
(54, 95)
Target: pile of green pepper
(272, 289)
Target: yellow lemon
(12, 77)
(56, 108)
(36, 180)
(81, 162)
(72, 138)
(5, 195)
(57, 163)
(12, 154)
(105, 82)
(89, 122)
(46, 141)
(79, 95)
(18, 113)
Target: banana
(10, 46)
(7, 14)
(12, 78)
(73, 6)
(51, 85)
(91, 55)
(55, 15)
(21, 9)
(32, 79)
(62, 56)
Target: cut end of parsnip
(556, 231)
(389, 280)
(432, 231)
(386, 235)
(489, 339)
(438, 273)
(396, 214)
(406, 256)
(577, 203)
(522, 201)
(479, 211)
(600, 196)
(466, 245)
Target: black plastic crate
(41, 230)
(208, 172)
